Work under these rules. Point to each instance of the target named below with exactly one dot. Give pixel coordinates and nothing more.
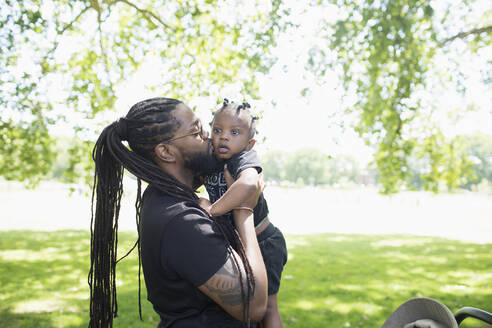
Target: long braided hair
(148, 123)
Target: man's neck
(183, 175)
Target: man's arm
(224, 287)
(236, 193)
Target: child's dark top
(216, 185)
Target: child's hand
(205, 204)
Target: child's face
(230, 134)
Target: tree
(273, 164)
(344, 168)
(66, 59)
(388, 52)
(438, 164)
(308, 166)
(479, 148)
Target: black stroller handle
(466, 312)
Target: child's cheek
(215, 141)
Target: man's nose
(205, 134)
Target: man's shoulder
(165, 206)
(154, 198)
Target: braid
(108, 188)
(244, 106)
(147, 123)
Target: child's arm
(246, 183)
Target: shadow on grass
(331, 280)
(335, 280)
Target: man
(194, 277)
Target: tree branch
(65, 28)
(69, 25)
(101, 44)
(462, 35)
(147, 14)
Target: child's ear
(251, 143)
(165, 153)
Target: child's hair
(239, 107)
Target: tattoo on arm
(225, 283)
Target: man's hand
(205, 204)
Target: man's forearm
(245, 227)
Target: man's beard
(202, 163)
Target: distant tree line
(467, 160)
(310, 166)
(464, 163)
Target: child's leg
(272, 317)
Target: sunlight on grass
(48, 254)
(305, 305)
(297, 242)
(331, 280)
(339, 239)
(398, 255)
(351, 287)
(44, 305)
(344, 308)
(364, 278)
(400, 242)
(470, 275)
(457, 289)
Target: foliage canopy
(65, 59)
(387, 53)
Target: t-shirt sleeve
(243, 161)
(194, 247)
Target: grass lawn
(331, 280)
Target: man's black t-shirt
(216, 185)
(181, 249)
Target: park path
(463, 216)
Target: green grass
(331, 280)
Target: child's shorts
(274, 252)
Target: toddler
(233, 131)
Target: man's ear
(165, 153)
(251, 143)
